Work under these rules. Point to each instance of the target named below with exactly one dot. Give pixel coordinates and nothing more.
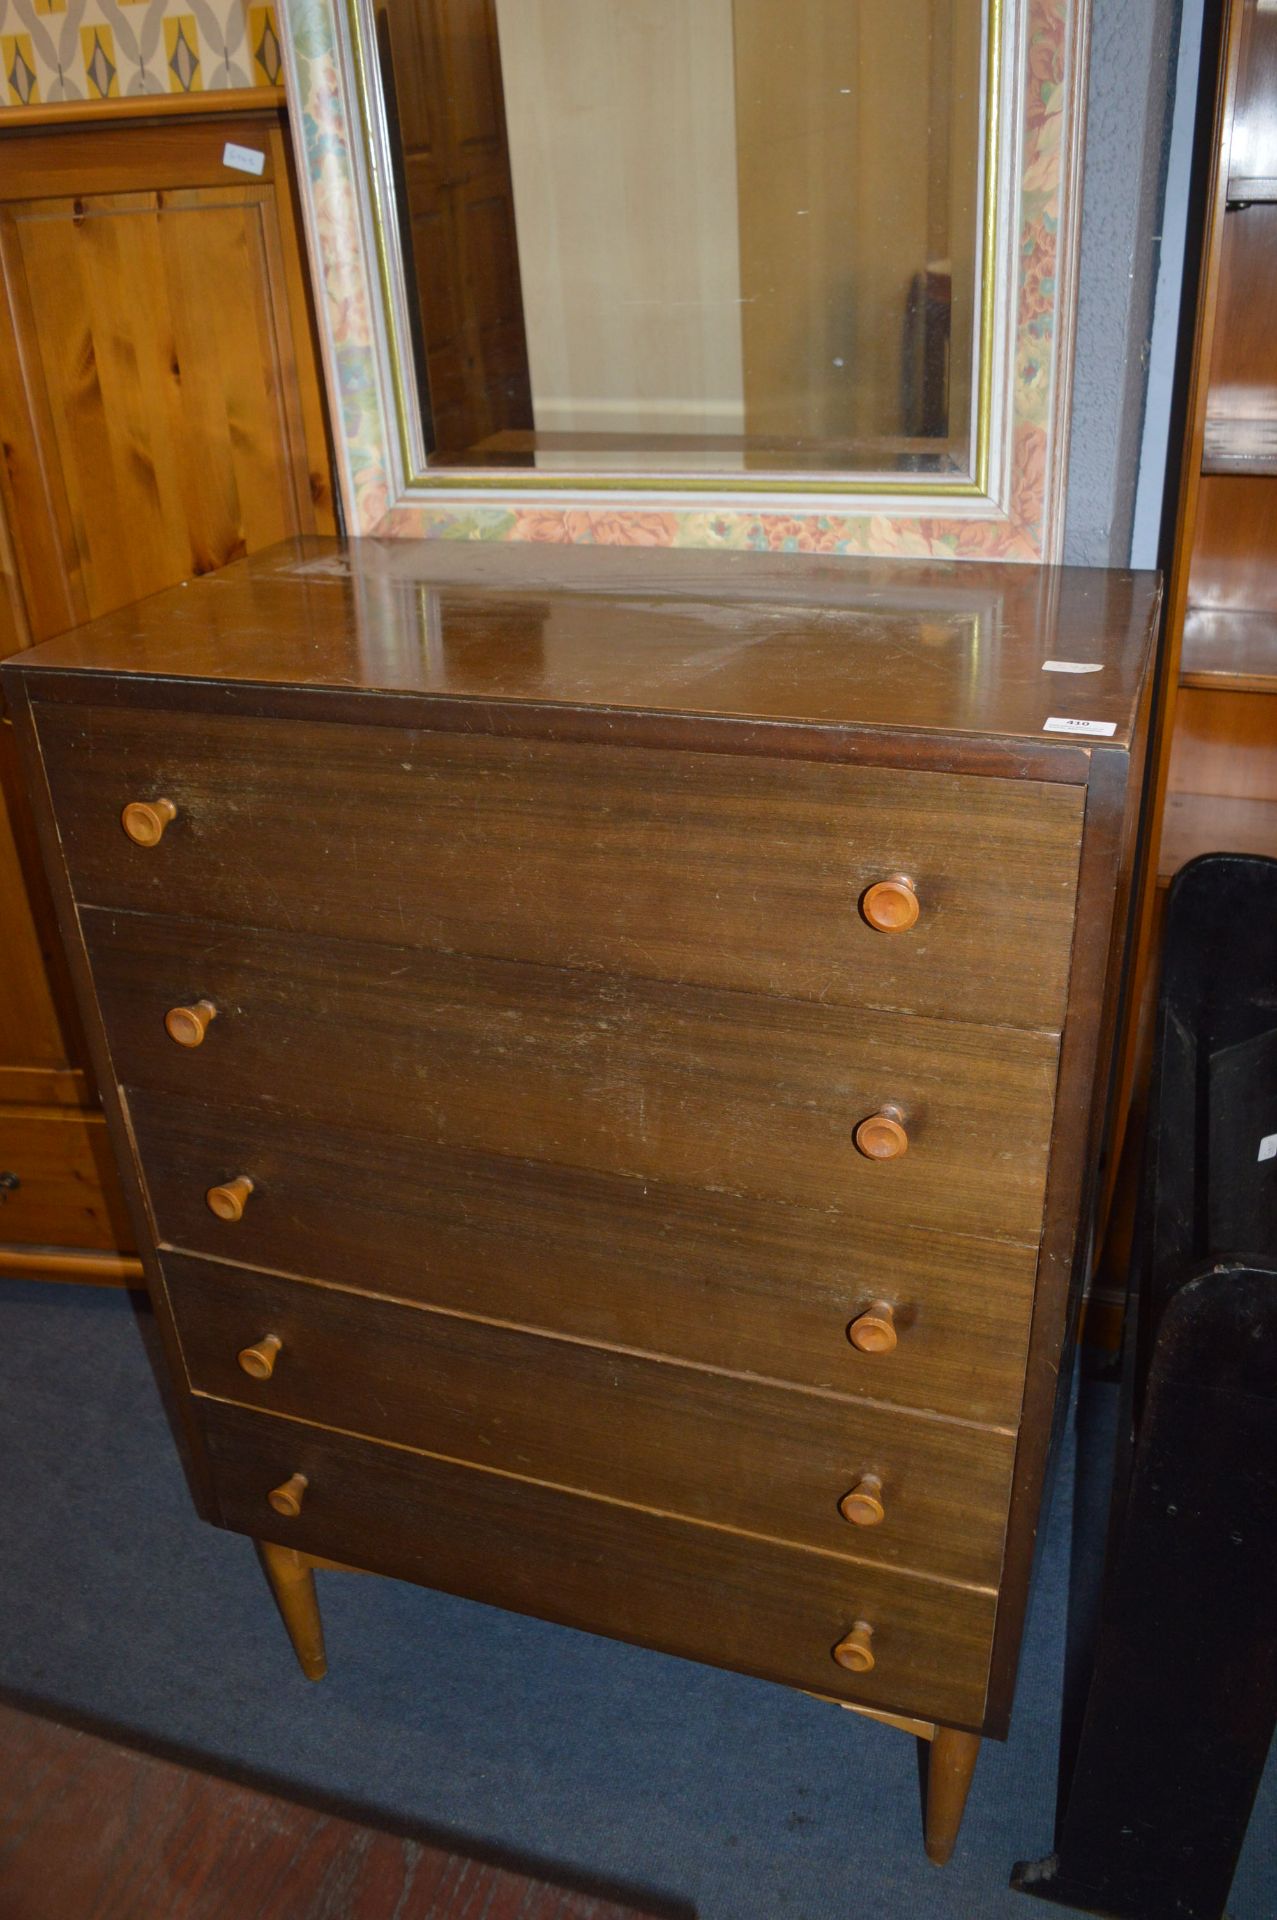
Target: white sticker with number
(1072, 666)
(243, 159)
(1104, 729)
(1268, 1147)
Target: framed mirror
(697, 272)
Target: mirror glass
(690, 236)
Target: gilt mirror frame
(1010, 507)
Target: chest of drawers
(609, 1055)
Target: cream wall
(858, 166)
(622, 133)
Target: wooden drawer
(751, 1285)
(701, 1592)
(706, 1446)
(709, 869)
(703, 1088)
(66, 1194)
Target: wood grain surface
(1229, 648)
(704, 1592)
(1234, 531)
(756, 1286)
(1080, 1131)
(159, 398)
(90, 1830)
(36, 1028)
(1241, 406)
(1225, 744)
(699, 1087)
(951, 654)
(160, 411)
(693, 867)
(63, 1190)
(1197, 823)
(561, 1140)
(709, 1446)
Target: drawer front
(701, 1592)
(700, 1088)
(58, 1183)
(705, 1446)
(708, 869)
(750, 1285)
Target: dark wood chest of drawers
(609, 1054)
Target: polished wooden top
(816, 642)
(52, 114)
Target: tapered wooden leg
(292, 1580)
(950, 1766)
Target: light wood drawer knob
(228, 1202)
(856, 1652)
(188, 1025)
(882, 1136)
(259, 1363)
(874, 1331)
(892, 905)
(863, 1505)
(145, 820)
(288, 1498)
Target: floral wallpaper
(102, 49)
(1052, 49)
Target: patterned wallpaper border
(105, 49)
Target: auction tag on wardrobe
(243, 159)
(1072, 666)
(1103, 728)
(1268, 1147)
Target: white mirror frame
(1013, 506)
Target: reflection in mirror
(691, 236)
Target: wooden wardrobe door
(161, 413)
(460, 216)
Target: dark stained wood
(925, 648)
(1084, 1121)
(687, 1085)
(928, 752)
(90, 1830)
(629, 1111)
(190, 1441)
(458, 211)
(754, 1286)
(737, 872)
(729, 1599)
(704, 1446)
